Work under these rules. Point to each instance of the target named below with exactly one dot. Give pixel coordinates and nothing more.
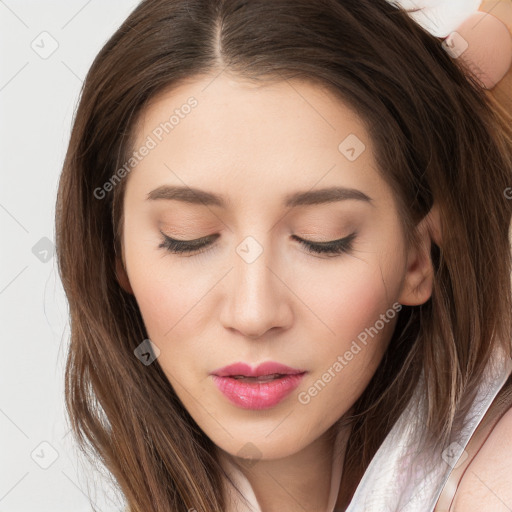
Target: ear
(418, 281)
(122, 276)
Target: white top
(399, 477)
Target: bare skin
(486, 481)
(254, 146)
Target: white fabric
(399, 478)
(439, 17)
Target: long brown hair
(438, 137)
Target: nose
(257, 296)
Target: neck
(301, 481)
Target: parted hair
(438, 138)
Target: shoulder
(487, 481)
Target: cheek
(172, 315)
(168, 314)
(359, 311)
(175, 306)
(357, 304)
(350, 296)
(164, 291)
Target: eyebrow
(310, 197)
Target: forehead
(253, 111)
(220, 131)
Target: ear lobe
(122, 276)
(419, 278)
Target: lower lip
(257, 395)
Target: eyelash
(202, 245)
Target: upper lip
(267, 368)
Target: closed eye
(201, 245)
(335, 247)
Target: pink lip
(252, 394)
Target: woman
(282, 228)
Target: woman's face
(260, 157)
